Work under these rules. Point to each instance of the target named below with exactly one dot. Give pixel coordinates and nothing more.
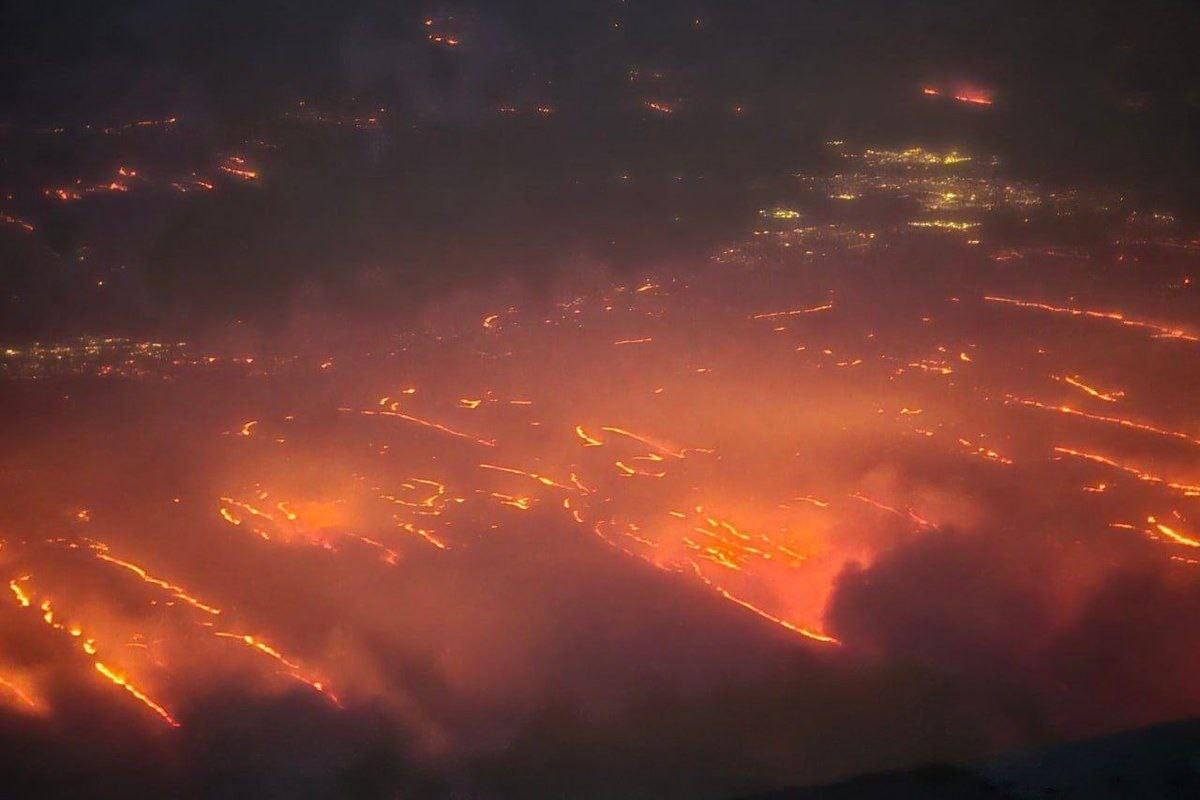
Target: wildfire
(238, 168)
(870, 412)
(175, 591)
(1076, 381)
(1111, 316)
(805, 632)
(120, 680)
(793, 312)
(1108, 420)
(437, 426)
(88, 646)
(1188, 490)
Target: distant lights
(779, 213)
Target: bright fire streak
(389, 557)
(805, 632)
(176, 591)
(259, 645)
(813, 501)
(429, 502)
(1187, 489)
(984, 452)
(588, 441)
(1173, 535)
(437, 426)
(645, 340)
(17, 591)
(542, 479)
(936, 367)
(236, 166)
(249, 509)
(651, 443)
(424, 534)
(793, 312)
(89, 646)
(978, 100)
(316, 686)
(123, 682)
(15, 691)
(1125, 423)
(1077, 382)
(731, 552)
(1112, 316)
(596, 529)
(522, 503)
(628, 471)
(908, 513)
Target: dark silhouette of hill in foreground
(1153, 763)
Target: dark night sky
(1070, 74)
(63, 58)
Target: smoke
(1055, 640)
